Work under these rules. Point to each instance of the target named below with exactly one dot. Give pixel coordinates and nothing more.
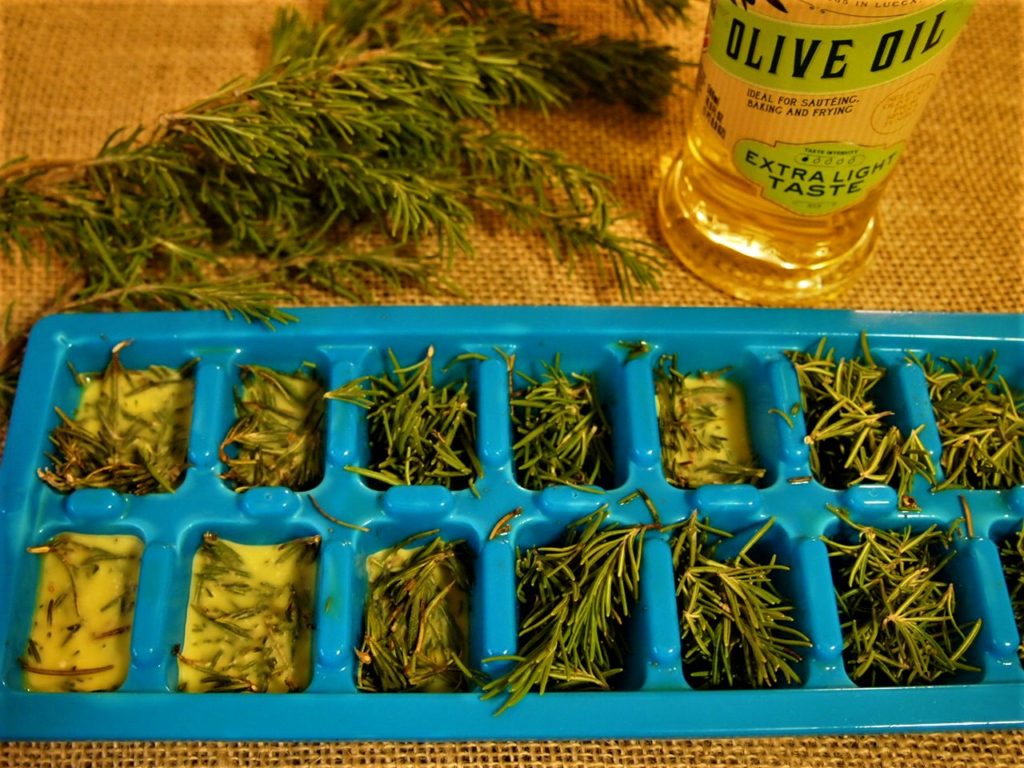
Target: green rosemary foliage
(850, 442)
(897, 611)
(574, 599)
(560, 430)
(379, 120)
(416, 619)
(130, 432)
(419, 433)
(278, 437)
(703, 434)
(980, 422)
(736, 628)
(1012, 553)
(250, 617)
(365, 148)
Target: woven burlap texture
(71, 71)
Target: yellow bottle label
(815, 101)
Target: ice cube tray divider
(652, 697)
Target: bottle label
(815, 101)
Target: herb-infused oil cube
(980, 419)
(704, 438)
(1012, 553)
(277, 439)
(250, 617)
(736, 628)
(129, 433)
(561, 434)
(898, 611)
(849, 438)
(81, 629)
(416, 619)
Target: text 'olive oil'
(802, 109)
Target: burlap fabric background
(72, 70)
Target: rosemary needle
(416, 619)
(277, 438)
(735, 626)
(560, 431)
(420, 433)
(574, 598)
(850, 441)
(897, 609)
(980, 419)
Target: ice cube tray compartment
(652, 697)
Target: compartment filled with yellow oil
(250, 617)
(416, 619)
(80, 638)
(129, 432)
(277, 438)
(704, 437)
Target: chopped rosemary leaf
(703, 430)
(129, 433)
(850, 441)
(980, 419)
(560, 431)
(420, 433)
(416, 619)
(735, 625)
(277, 439)
(897, 609)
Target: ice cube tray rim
(554, 715)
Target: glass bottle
(802, 109)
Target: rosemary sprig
(360, 154)
(277, 439)
(1012, 552)
(980, 422)
(419, 433)
(129, 433)
(574, 600)
(560, 429)
(416, 618)
(250, 617)
(736, 627)
(850, 441)
(897, 610)
(703, 434)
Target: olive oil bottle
(801, 111)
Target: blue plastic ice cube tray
(652, 697)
